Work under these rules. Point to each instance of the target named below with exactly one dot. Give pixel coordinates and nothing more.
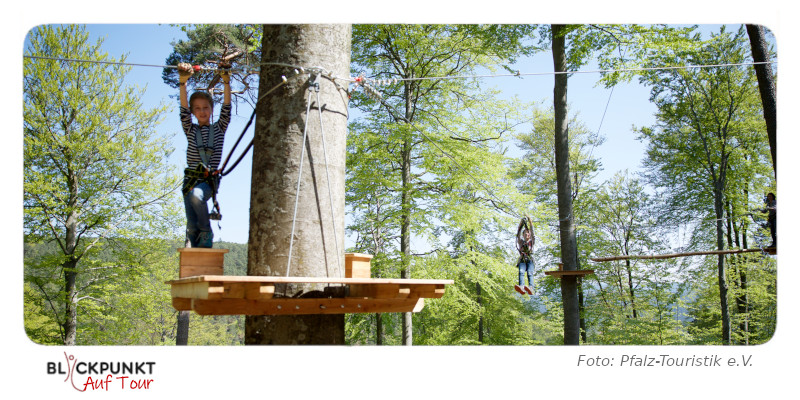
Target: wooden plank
(192, 290)
(223, 290)
(189, 250)
(380, 291)
(431, 291)
(580, 272)
(291, 306)
(182, 304)
(675, 255)
(397, 291)
(196, 270)
(248, 290)
(203, 259)
(295, 279)
(357, 265)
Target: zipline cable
(329, 75)
(325, 73)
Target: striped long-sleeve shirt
(191, 130)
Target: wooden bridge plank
(580, 272)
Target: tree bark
(405, 220)
(480, 307)
(569, 291)
(71, 306)
(318, 241)
(71, 265)
(183, 318)
(766, 86)
(721, 273)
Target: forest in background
(100, 242)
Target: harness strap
(206, 150)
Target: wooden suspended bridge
(768, 250)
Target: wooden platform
(254, 295)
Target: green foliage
(214, 46)
(95, 175)
(427, 161)
(706, 154)
(134, 308)
(39, 325)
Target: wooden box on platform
(201, 261)
(357, 265)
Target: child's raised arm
(185, 70)
(225, 74)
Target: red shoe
(527, 289)
(519, 289)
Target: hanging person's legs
(198, 226)
(519, 287)
(773, 231)
(529, 270)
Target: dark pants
(198, 226)
(773, 230)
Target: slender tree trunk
(741, 261)
(405, 220)
(630, 288)
(379, 329)
(318, 241)
(569, 291)
(480, 307)
(581, 310)
(71, 309)
(70, 266)
(182, 328)
(766, 86)
(721, 274)
(183, 318)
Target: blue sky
(628, 106)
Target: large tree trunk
(318, 243)
(766, 85)
(569, 287)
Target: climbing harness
(525, 250)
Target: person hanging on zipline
(525, 241)
(203, 154)
(771, 209)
